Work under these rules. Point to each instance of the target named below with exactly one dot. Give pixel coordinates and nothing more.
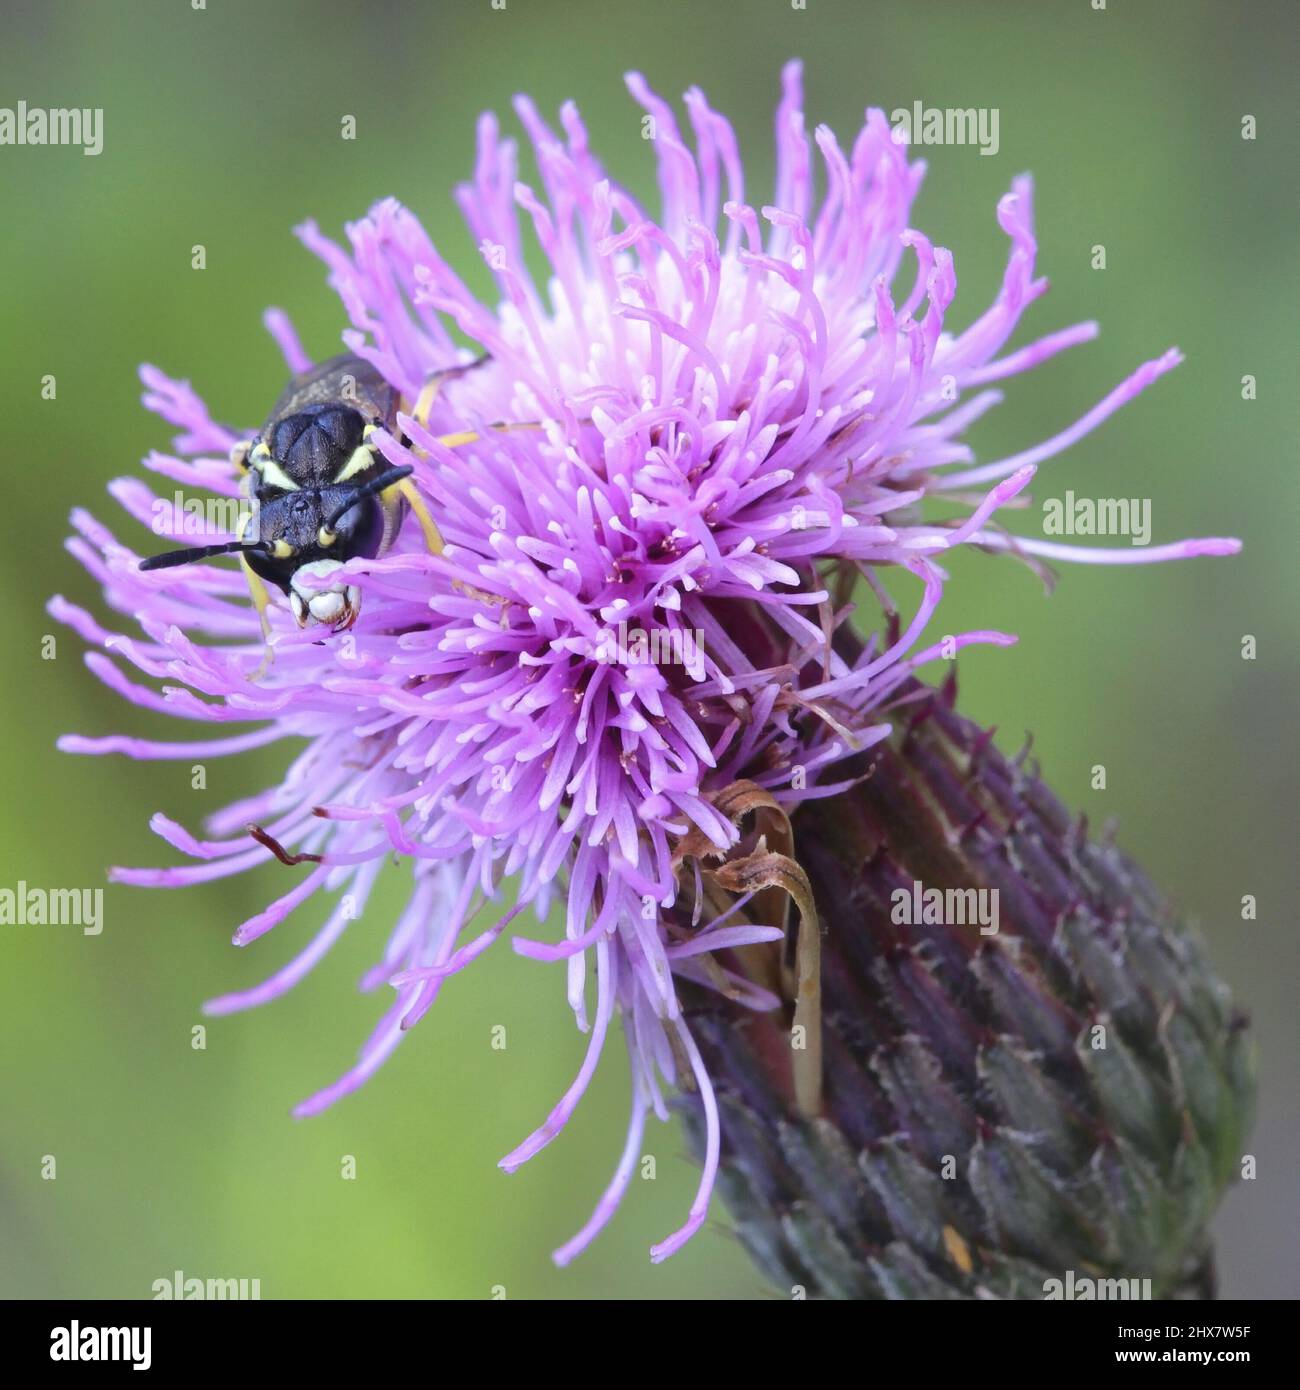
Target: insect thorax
(314, 447)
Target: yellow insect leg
(454, 441)
(261, 602)
(432, 536)
(429, 391)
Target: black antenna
(377, 484)
(199, 552)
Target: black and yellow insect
(323, 493)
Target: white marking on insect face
(327, 605)
(335, 605)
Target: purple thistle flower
(734, 405)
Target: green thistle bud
(1030, 1072)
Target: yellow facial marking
(271, 473)
(363, 457)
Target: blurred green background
(222, 127)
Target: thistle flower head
(716, 415)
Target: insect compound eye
(359, 530)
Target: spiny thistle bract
(733, 399)
(1063, 1097)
